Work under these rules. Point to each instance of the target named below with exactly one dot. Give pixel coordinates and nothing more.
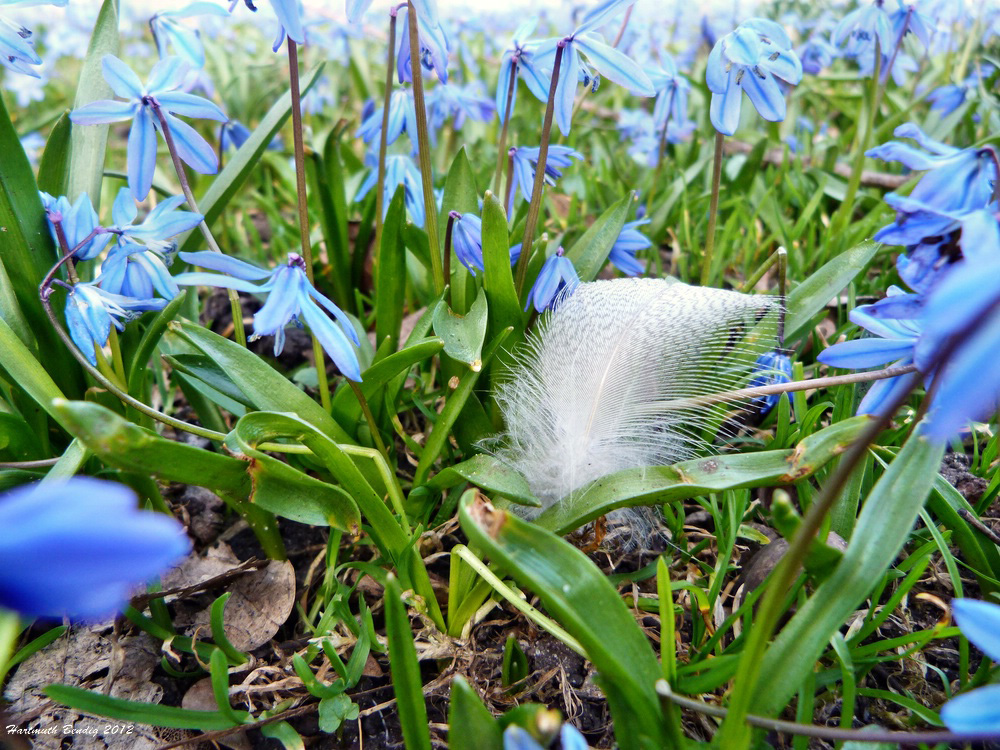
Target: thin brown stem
(543, 154)
(621, 29)
(502, 145)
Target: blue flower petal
(569, 73)
(103, 111)
(615, 66)
(166, 75)
(980, 623)
(883, 393)
(123, 212)
(141, 154)
(122, 79)
(191, 147)
(226, 264)
(765, 95)
(356, 9)
(865, 352)
(189, 105)
(975, 711)
(724, 110)
(200, 278)
(332, 339)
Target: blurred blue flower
(863, 26)
(78, 221)
(400, 169)
(770, 368)
(947, 98)
(671, 93)
(907, 19)
(459, 103)
(630, 241)
(161, 90)
(33, 144)
(957, 181)
(426, 10)
(79, 547)
(91, 311)
(467, 242)
(434, 48)
(557, 276)
(232, 135)
(402, 116)
(977, 710)
(17, 49)
(816, 54)
(517, 57)
(516, 738)
(289, 16)
(894, 342)
(290, 297)
(169, 32)
(525, 162)
(751, 58)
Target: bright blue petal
(356, 9)
(123, 212)
(600, 15)
(189, 105)
(103, 111)
(166, 75)
(569, 72)
(192, 148)
(724, 110)
(287, 12)
(765, 95)
(122, 79)
(615, 66)
(975, 711)
(332, 339)
(226, 264)
(199, 278)
(141, 154)
(861, 353)
(980, 623)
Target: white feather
(596, 388)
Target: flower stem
(452, 216)
(713, 211)
(536, 192)
(234, 297)
(116, 358)
(510, 182)
(840, 219)
(369, 418)
(383, 138)
(661, 151)
(621, 29)
(424, 148)
(319, 356)
(502, 145)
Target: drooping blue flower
(582, 48)
(467, 242)
(957, 181)
(671, 93)
(91, 311)
(816, 54)
(233, 134)
(770, 368)
(289, 16)
(526, 161)
(17, 49)
(79, 547)
(290, 299)
(557, 277)
(630, 241)
(862, 27)
(894, 341)
(400, 169)
(460, 103)
(517, 57)
(434, 48)
(78, 221)
(978, 710)
(402, 117)
(162, 91)
(751, 58)
(907, 19)
(169, 33)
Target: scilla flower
(169, 32)
(78, 221)
(976, 711)
(752, 59)
(162, 91)
(557, 276)
(79, 547)
(91, 311)
(290, 297)
(630, 241)
(400, 169)
(434, 48)
(770, 368)
(525, 162)
(862, 27)
(467, 241)
(516, 738)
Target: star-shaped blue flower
(162, 91)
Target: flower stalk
(234, 298)
(383, 140)
(534, 207)
(713, 210)
(502, 145)
(424, 148)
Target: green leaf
(590, 252)
(573, 589)
(326, 174)
(699, 476)
(335, 710)
(23, 369)
(471, 726)
(88, 143)
(883, 527)
(463, 335)
(284, 733)
(811, 296)
(244, 161)
(266, 388)
(460, 195)
(286, 491)
(406, 681)
(127, 446)
(498, 278)
(390, 286)
(152, 714)
(53, 168)
(490, 474)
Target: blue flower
(79, 547)
(91, 311)
(458, 102)
(161, 91)
(169, 32)
(816, 54)
(233, 134)
(526, 161)
(467, 242)
(434, 49)
(907, 19)
(402, 117)
(862, 27)
(516, 738)
(158, 228)
(770, 368)
(426, 10)
(400, 169)
(17, 49)
(977, 710)
(557, 277)
(518, 57)
(958, 181)
(751, 58)
(78, 221)
(290, 297)
(581, 48)
(630, 241)
(672, 93)
(289, 20)
(894, 342)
